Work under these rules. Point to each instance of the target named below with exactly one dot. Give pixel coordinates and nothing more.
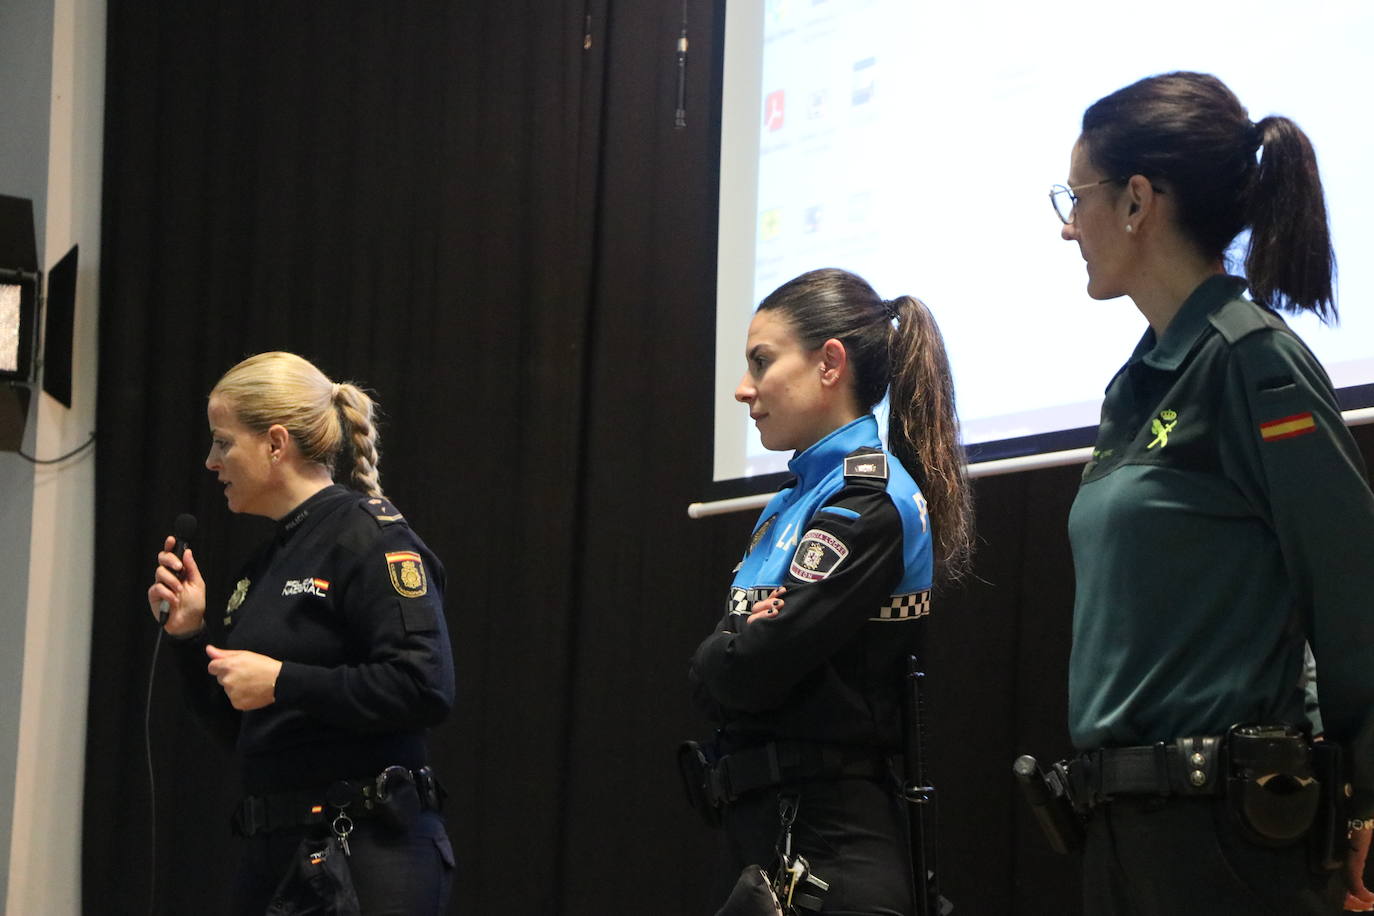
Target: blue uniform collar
(1188, 325)
(828, 453)
(296, 519)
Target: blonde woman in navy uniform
(332, 657)
(803, 673)
(1225, 517)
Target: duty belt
(1185, 767)
(360, 798)
(790, 762)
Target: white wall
(47, 513)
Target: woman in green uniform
(1225, 516)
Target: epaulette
(381, 509)
(866, 463)
(1239, 318)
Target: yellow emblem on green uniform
(235, 600)
(1161, 426)
(407, 571)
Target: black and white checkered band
(905, 607)
(742, 599)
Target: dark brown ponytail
(1290, 262)
(924, 433)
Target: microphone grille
(185, 527)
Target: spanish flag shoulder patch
(1299, 424)
(407, 571)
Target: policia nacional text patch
(817, 556)
(407, 573)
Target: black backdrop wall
(483, 212)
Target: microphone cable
(152, 782)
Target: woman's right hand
(185, 597)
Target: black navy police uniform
(808, 703)
(350, 599)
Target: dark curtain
(483, 212)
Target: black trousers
(852, 832)
(396, 873)
(1162, 857)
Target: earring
(275, 456)
(1128, 227)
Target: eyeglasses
(1065, 199)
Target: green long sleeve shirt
(1225, 517)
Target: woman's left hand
(249, 679)
(1358, 897)
(768, 607)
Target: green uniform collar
(1188, 325)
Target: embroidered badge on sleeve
(1299, 424)
(818, 554)
(407, 573)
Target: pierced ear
(277, 439)
(1142, 196)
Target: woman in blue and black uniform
(1224, 519)
(332, 656)
(803, 674)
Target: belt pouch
(695, 772)
(1327, 841)
(318, 882)
(1270, 790)
(397, 797)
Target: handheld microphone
(182, 530)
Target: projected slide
(915, 143)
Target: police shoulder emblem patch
(818, 554)
(382, 510)
(407, 573)
(870, 464)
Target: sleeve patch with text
(1298, 424)
(818, 553)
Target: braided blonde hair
(322, 417)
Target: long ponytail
(360, 433)
(1290, 262)
(923, 433)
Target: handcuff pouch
(696, 773)
(1271, 792)
(396, 797)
